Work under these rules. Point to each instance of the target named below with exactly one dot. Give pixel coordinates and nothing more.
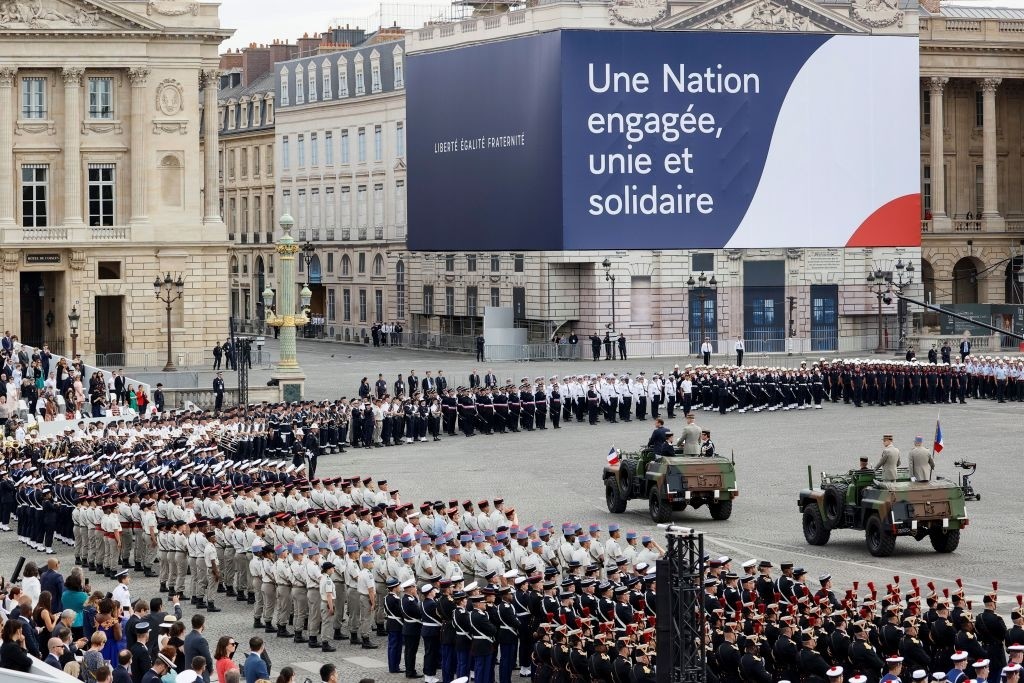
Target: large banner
(665, 140)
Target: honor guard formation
(226, 511)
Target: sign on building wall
(661, 140)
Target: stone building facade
(102, 182)
(774, 299)
(340, 160)
(246, 162)
(972, 108)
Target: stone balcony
(66, 234)
(964, 225)
(963, 30)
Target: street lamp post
(884, 283)
(169, 290)
(286, 317)
(308, 250)
(699, 288)
(73, 319)
(904, 278)
(608, 277)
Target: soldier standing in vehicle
(690, 439)
(921, 461)
(889, 460)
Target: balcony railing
(378, 233)
(964, 225)
(45, 234)
(362, 233)
(1014, 226)
(346, 234)
(926, 226)
(110, 233)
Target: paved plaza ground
(555, 475)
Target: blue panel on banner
(485, 141)
(710, 101)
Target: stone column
(990, 173)
(937, 159)
(139, 156)
(211, 88)
(73, 145)
(7, 76)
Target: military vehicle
(671, 484)
(885, 510)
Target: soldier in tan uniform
(921, 461)
(889, 460)
(690, 438)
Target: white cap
(407, 583)
(834, 672)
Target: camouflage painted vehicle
(671, 484)
(884, 510)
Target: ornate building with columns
(103, 186)
(972, 99)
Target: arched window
(311, 94)
(1015, 281)
(300, 85)
(234, 265)
(378, 266)
(965, 281)
(346, 266)
(400, 289)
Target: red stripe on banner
(896, 224)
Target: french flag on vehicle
(613, 456)
(937, 446)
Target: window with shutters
(346, 207)
(284, 86)
(325, 70)
(378, 206)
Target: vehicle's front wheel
(661, 512)
(815, 531)
(880, 541)
(616, 503)
(945, 541)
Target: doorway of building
(109, 324)
(33, 305)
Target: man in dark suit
(965, 348)
(123, 672)
(52, 580)
(55, 650)
(142, 660)
(428, 384)
(441, 382)
(474, 379)
(218, 391)
(490, 379)
(196, 645)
